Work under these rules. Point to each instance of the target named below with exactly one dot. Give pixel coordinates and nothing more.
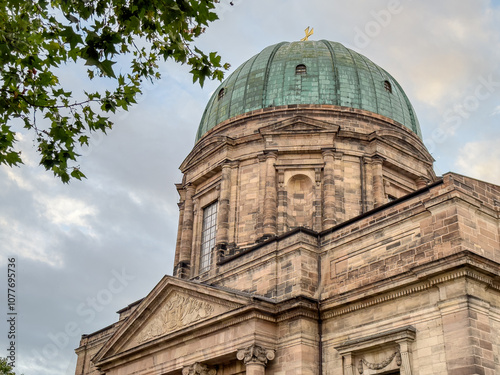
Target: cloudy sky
(87, 249)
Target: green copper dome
(309, 72)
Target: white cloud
(441, 61)
(19, 179)
(30, 243)
(67, 212)
(496, 111)
(481, 160)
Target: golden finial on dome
(308, 33)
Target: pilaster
(282, 203)
(329, 219)
(368, 182)
(339, 186)
(378, 181)
(348, 364)
(270, 197)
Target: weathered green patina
(333, 75)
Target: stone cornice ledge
(407, 333)
(463, 264)
(194, 331)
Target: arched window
(300, 69)
(388, 87)
(221, 94)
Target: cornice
(194, 331)
(464, 265)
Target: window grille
(300, 69)
(208, 233)
(388, 87)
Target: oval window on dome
(300, 69)
(388, 87)
(221, 94)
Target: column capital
(255, 354)
(270, 154)
(377, 159)
(182, 269)
(228, 163)
(367, 159)
(199, 369)
(189, 187)
(421, 182)
(328, 152)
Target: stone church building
(315, 238)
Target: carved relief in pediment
(177, 311)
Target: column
(255, 359)
(182, 197)
(328, 190)
(179, 233)
(378, 181)
(187, 233)
(222, 238)
(233, 202)
(270, 197)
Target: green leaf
(35, 45)
(76, 173)
(71, 18)
(106, 68)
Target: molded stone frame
(396, 343)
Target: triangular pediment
(403, 142)
(173, 305)
(299, 124)
(177, 311)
